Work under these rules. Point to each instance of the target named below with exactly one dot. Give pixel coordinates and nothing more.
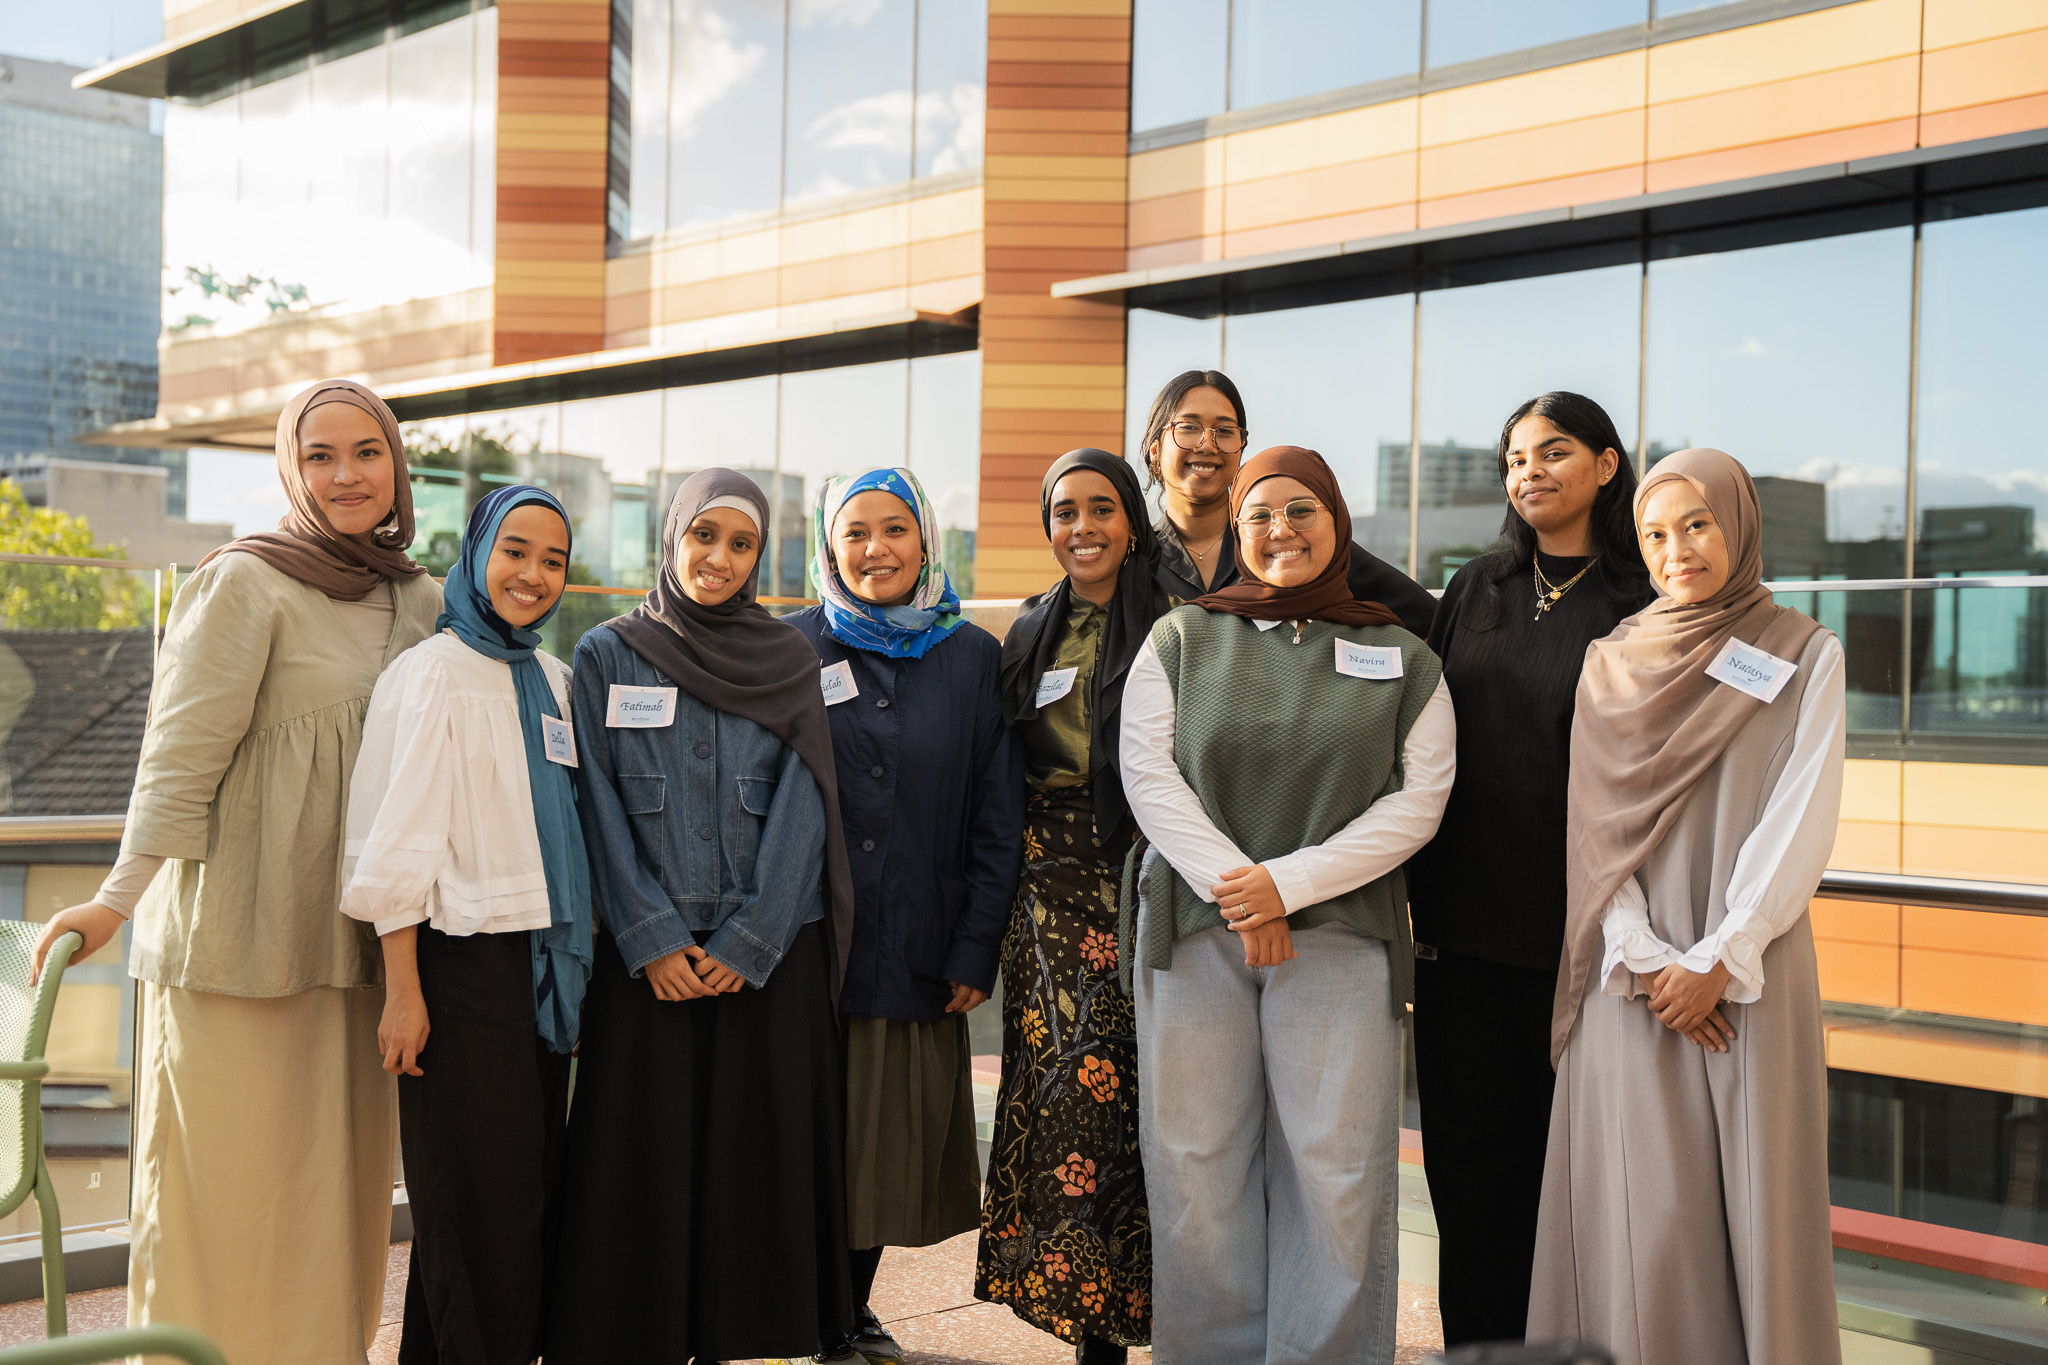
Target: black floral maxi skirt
(1066, 1239)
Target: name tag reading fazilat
(1056, 683)
(640, 708)
(558, 741)
(836, 681)
(1378, 662)
(1750, 671)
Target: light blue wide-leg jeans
(1269, 1123)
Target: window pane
(1158, 346)
(945, 452)
(443, 242)
(952, 75)
(1335, 379)
(1466, 30)
(1486, 350)
(1179, 54)
(1281, 49)
(724, 110)
(836, 422)
(730, 425)
(849, 96)
(653, 76)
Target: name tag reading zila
(1378, 662)
(640, 708)
(1055, 683)
(836, 681)
(1750, 671)
(558, 741)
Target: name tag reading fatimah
(1378, 662)
(1055, 683)
(640, 708)
(1750, 671)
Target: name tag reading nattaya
(1750, 671)
(1054, 684)
(640, 708)
(836, 681)
(558, 741)
(1378, 662)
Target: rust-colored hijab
(305, 545)
(1650, 722)
(1327, 596)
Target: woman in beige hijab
(265, 1125)
(1685, 1193)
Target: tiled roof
(73, 748)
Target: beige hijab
(1650, 722)
(305, 545)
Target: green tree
(54, 597)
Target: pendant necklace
(1548, 593)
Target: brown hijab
(1650, 722)
(1327, 596)
(305, 545)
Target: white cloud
(1750, 348)
(711, 65)
(952, 121)
(875, 122)
(838, 13)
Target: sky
(80, 32)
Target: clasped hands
(691, 974)
(1689, 1002)
(1250, 905)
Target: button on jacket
(706, 830)
(931, 790)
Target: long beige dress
(265, 1128)
(1685, 1193)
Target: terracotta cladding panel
(1034, 75)
(1040, 423)
(1056, 97)
(1058, 26)
(1058, 121)
(1065, 53)
(549, 204)
(1084, 260)
(1110, 143)
(514, 348)
(1010, 212)
(557, 60)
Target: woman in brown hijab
(265, 1125)
(1685, 1193)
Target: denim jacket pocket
(644, 799)
(757, 796)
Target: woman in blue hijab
(465, 851)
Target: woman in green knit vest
(1285, 747)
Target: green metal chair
(94, 1348)
(24, 1032)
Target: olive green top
(1057, 740)
(255, 719)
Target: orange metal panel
(1342, 227)
(1972, 932)
(1827, 102)
(1059, 27)
(1376, 183)
(1984, 120)
(2001, 69)
(1578, 189)
(1993, 854)
(1855, 922)
(1787, 154)
(1974, 985)
(1176, 217)
(1555, 152)
(708, 298)
(1858, 973)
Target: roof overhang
(597, 374)
(148, 72)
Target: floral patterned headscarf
(900, 632)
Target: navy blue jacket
(931, 791)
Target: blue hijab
(561, 952)
(900, 632)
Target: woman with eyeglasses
(1195, 436)
(1512, 630)
(1286, 747)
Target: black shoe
(1096, 1351)
(872, 1339)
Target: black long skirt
(482, 1133)
(704, 1204)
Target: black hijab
(1033, 641)
(738, 659)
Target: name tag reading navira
(1378, 662)
(1750, 671)
(640, 708)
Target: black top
(1372, 579)
(1491, 883)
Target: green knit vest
(1284, 751)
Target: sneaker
(842, 1354)
(872, 1340)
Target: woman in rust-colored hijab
(1706, 779)
(265, 1123)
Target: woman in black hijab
(1066, 1237)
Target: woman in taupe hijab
(1685, 1193)
(265, 1125)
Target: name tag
(1263, 624)
(558, 741)
(1750, 671)
(1056, 683)
(1378, 662)
(640, 708)
(836, 682)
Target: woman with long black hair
(1488, 893)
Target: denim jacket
(709, 830)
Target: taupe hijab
(1650, 722)
(305, 544)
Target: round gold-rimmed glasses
(1300, 515)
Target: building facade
(606, 242)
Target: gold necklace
(1548, 593)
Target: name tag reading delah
(836, 681)
(558, 741)
(1750, 671)
(1378, 662)
(640, 708)
(1056, 683)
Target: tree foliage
(61, 597)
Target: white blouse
(440, 810)
(1374, 844)
(1775, 871)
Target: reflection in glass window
(1335, 378)
(849, 99)
(1793, 359)
(1466, 30)
(838, 421)
(730, 425)
(1281, 49)
(1158, 346)
(1667, 8)
(952, 75)
(945, 452)
(724, 111)
(1488, 348)
(1180, 54)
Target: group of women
(1228, 800)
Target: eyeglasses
(1188, 436)
(1299, 514)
